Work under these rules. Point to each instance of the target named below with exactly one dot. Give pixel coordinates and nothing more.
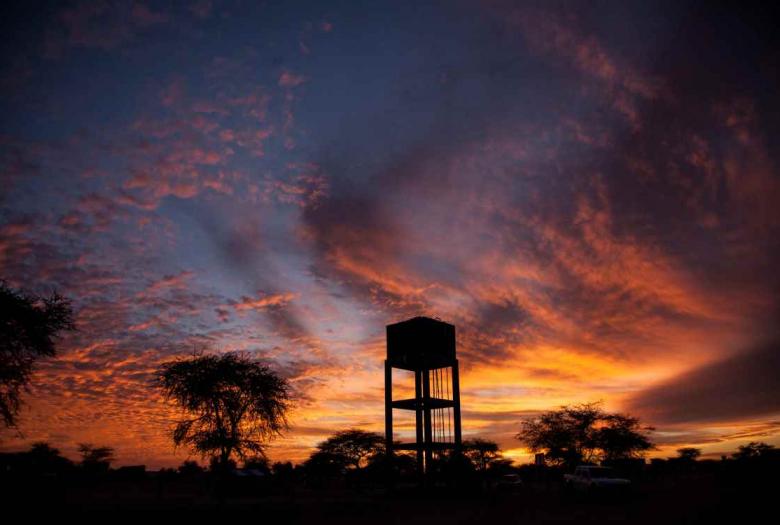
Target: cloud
(745, 386)
(262, 302)
(553, 34)
(305, 185)
(289, 79)
(179, 281)
(104, 26)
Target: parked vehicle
(588, 478)
(509, 483)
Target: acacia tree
(353, 447)
(43, 458)
(95, 459)
(323, 464)
(688, 453)
(584, 433)
(481, 452)
(620, 436)
(29, 328)
(753, 450)
(190, 468)
(232, 404)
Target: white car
(509, 482)
(591, 478)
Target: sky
(587, 190)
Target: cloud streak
(743, 386)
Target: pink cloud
(555, 37)
(290, 80)
(171, 282)
(173, 93)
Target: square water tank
(420, 343)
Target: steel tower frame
(425, 347)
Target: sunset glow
(590, 197)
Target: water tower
(425, 347)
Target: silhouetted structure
(426, 347)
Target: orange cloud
(260, 303)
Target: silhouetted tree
(283, 471)
(481, 452)
(621, 437)
(458, 470)
(688, 453)
(233, 404)
(29, 327)
(753, 450)
(354, 447)
(400, 464)
(282, 468)
(95, 459)
(190, 468)
(45, 458)
(43, 451)
(584, 433)
(566, 436)
(324, 465)
(501, 466)
(404, 464)
(217, 464)
(257, 463)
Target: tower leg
(418, 420)
(456, 401)
(426, 384)
(388, 409)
